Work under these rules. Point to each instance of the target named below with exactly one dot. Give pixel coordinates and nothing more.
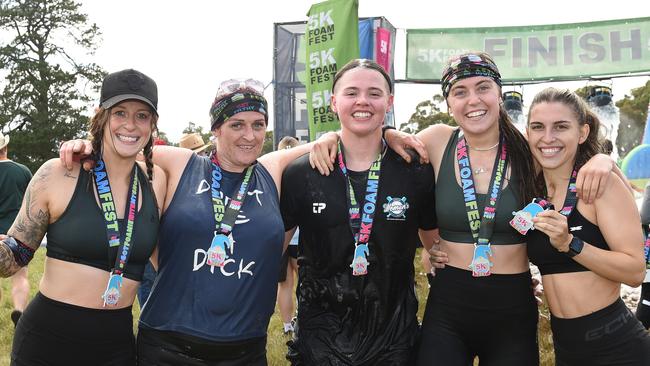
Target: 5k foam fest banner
(541, 52)
(331, 39)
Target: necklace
(480, 170)
(482, 148)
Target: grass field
(276, 339)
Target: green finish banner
(540, 52)
(331, 40)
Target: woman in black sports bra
(481, 304)
(585, 250)
(102, 228)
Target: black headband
(227, 107)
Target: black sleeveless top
(550, 260)
(450, 204)
(79, 235)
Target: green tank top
(79, 235)
(450, 204)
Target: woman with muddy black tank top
(584, 250)
(82, 313)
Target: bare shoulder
(170, 158)
(436, 134)
(53, 172)
(614, 193)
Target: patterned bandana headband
(227, 107)
(467, 66)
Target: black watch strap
(575, 247)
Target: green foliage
(268, 143)
(40, 102)
(634, 112)
(427, 113)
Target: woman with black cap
(221, 239)
(102, 228)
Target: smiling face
(129, 128)
(474, 103)
(240, 140)
(361, 99)
(554, 134)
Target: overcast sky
(190, 46)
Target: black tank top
(550, 260)
(450, 204)
(79, 235)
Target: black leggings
(643, 309)
(610, 336)
(494, 318)
(54, 333)
(162, 348)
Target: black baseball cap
(128, 84)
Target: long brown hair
(592, 144)
(98, 124)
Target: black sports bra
(79, 235)
(550, 260)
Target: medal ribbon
(224, 217)
(570, 200)
(481, 227)
(112, 293)
(361, 224)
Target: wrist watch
(575, 247)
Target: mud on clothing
(356, 320)
(225, 304)
(79, 235)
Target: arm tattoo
(33, 218)
(8, 265)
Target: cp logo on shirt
(317, 207)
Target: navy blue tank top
(218, 304)
(550, 260)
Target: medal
(481, 264)
(361, 224)
(481, 227)
(217, 253)
(523, 219)
(359, 260)
(224, 216)
(112, 294)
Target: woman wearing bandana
(220, 241)
(481, 303)
(101, 227)
(583, 250)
